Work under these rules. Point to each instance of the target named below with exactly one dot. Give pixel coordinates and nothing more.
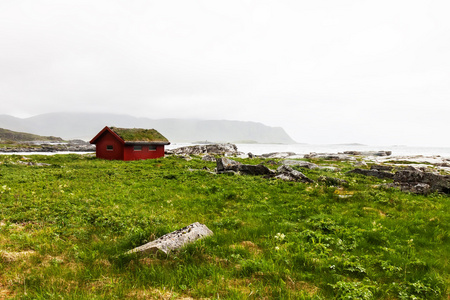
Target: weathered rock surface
(255, 170)
(362, 164)
(289, 174)
(436, 182)
(212, 149)
(299, 163)
(278, 155)
(32, 163)
(374, 173)
(225, 165)
(208, 157)
(330, 156)
(175, 240)
(369, 153)
(415, 188)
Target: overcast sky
(337, 71)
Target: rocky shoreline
(415, 174)
(71, 146)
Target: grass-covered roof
(140, 135)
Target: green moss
(139, 135)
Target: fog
(371, 72)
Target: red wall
(145, 153)
(108, 139)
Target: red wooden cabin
(129, 143)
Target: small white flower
(280, 236)
(277, 248)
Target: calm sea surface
(305, 149)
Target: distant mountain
(15, 136)
(85, 126)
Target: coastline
(302, 149)
(255, 149)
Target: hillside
(85, 126)
(14, 136)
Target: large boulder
(288, 174)
(255, 170)
(436, 182)
(175, 240)
(226, 165)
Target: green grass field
(64, 229)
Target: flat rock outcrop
(211, 149)
(436, 182)
(330, 156)
(278, 155)
(299, 163)
(369, 153)
(228, 165)
(175, 240)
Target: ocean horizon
(301, 149)
(397, 150)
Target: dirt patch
(10, 256)
(154, 293)
(5, 293)
(303, 286)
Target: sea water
(396, 150)
(300, 149)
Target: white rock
(175, 239)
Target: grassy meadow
(64, 229)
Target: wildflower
(277, 248)
(280, 236)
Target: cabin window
(109, 148)
(151, 148)
(137, 148)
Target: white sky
(327, 71)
